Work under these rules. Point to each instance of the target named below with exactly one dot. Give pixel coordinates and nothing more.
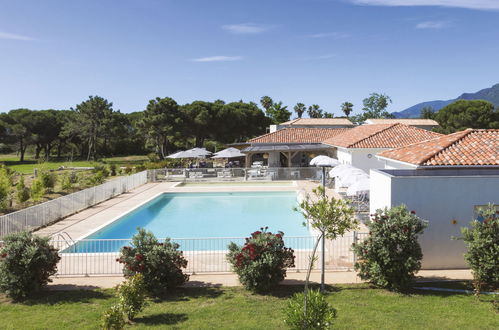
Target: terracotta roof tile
(405, 121)
(319, 122)
(381, 136)
(465, 148)
(299, 135)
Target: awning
(285, 147)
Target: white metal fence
(42, 214)
(204, 255)
(236, 174)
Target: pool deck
(226, 279)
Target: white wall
(344, 156)
(389, 164)
(365, 159)
(440, 200)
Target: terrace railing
(235, 174)
(42, 214)
(205, 255)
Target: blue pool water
(202, 215)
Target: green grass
(28, 166)
(359, 307)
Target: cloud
(218, 59)
(469, 4)
(246, 28)
(12, 36)
(432, 25)
(335, 35)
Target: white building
(359, 146)
(427, 124)
(446, 180)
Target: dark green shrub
(261, 263)
(102, 170)
(127, 170)
(318, 314)
(140, 168)
(5, 186)
(48, 179)
(391, 255)
(482, 241)
(22, 192)
(160, 263)
(112, 169)
(132, 295)
(113, 318)
(67, 181)
(97, 178)
(26, 263)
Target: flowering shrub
(482, 241)
(26, 263)
(113, 318)
(391, 255)
(318, 314)
(261, 263)
(160, 263)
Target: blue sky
(54, 54)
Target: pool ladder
(63, 237)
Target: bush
(102, 170)
(140, 168)
(26, 263)
(153, 157)
(127, 170)
(47, 179)
(22, 192)
(482, 241)
(66, 182)
(112, 169)
(160, 263)
(37, 189)
(5, 186)
(391, 255)
(97, 178)
(132, 295)
(261, 263)
(113, 318)
(319, 314)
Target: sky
(54, 54)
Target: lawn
(359, 307)
(28, 166)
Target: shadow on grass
(161, 319)
(187, 293)
(48, 297)
(288, 290)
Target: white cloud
(432, 25)
(335, 35)
(246, 28)
(470, 4)
(218, 59)
(12, 36)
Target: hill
(489, 94)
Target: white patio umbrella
(337, 170)
(229, 153)
(175, 155)
(191, 153)
(325, 161)
(360, 186)
(349, 178)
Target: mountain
(488, 94)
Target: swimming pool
(200, 216)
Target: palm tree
(300, 109)
(266, 102)
(347, 108)
(315, 111)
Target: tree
(329, 216)
(464, 114)
(161, 121)
(278, 113)
(328, 115)
(347, 108)
(375, 107)
(266, 103)
(91, 116)
(315, 111)
(18, 129)
(427, 113)
(300, 109)
(201, 120)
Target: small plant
(37, 189)
(160, 263)
(102, 169)
(5, 186)
(22, 192)
(47, 179)
(140, 168)
(26, 263)
(112, 169)
(391, 255)
(127, 170)
(132, 295)
(97, 178)
(113, 318)
(66, 182)
(482, 241)
(317, 315)
(153, 157)
(262, 261)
